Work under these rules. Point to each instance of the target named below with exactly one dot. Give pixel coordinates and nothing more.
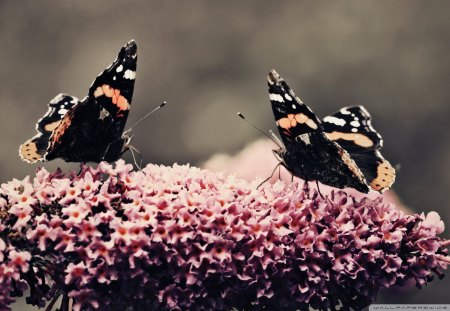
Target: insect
(341, 151)
(90, 130)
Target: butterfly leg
(306, 188)
(318, 189)
(82, 165)
(133, 150)
(265, 180)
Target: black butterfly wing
(378, 172)
(35, 149)
(292, 116)
(92, 131)
(113, 88)
(352, 129)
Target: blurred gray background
(209, 59)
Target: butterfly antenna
(145, 117)
(258, 129)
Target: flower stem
(52, 303)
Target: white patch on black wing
(334, 120)
(129, 74)
(103, 114)
(304, 138)
(62, 111)
(344, 111)
(355, 123)
(276, 97)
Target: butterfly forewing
(293, 118)
(113, 88)
(351, 128)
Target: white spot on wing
(103, 114)
(334, 120)
(293, 106)
(355, 123)
(62, 111)
(57, 98)
(287, 97)
(119, 69)
(344, 111)
(354, 130)
(364, 112)
(305, 138)
(129, 74)
(276, 97)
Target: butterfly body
(339, 151)
(319, 160)
(91, 130)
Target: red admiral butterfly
(341, 151)
(91, 130)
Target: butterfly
(341, 151)
(90, 130)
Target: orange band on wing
(293, 119)
(385, 177)
(63, 125)
(29, 152)
(358, 138)
(117, 99)
(51, 126)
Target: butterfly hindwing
(378, 172)
(293, 118)
(351, 128)
(35, 149)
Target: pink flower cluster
(13, 263)
(181, 238)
